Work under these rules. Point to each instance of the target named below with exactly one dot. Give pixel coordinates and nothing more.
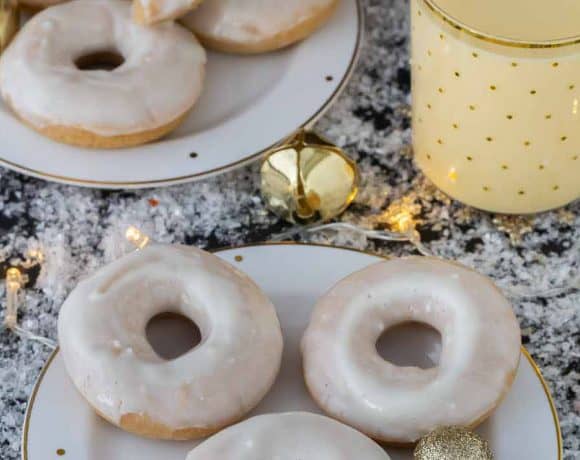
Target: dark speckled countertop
(79, 230)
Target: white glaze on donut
(101, 330)
(153, 11)
(289, 436)
(350, 380)
(252, 21)
(160, 80)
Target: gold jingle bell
(452, 443)
(9, 22)
(308, 179)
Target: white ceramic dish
(249, 104)
(525, 425)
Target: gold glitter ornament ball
(452, 443)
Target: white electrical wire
(25, 334)
(413, 237)
(382, 235)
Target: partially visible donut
(101, 329)
(48, 79)
(289, 436)
(350, 380)
(153, 11)
(257, 26)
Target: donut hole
(107, 60)
(171, 335)
(410, 344)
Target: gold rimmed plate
(59, 423)
(249, 104)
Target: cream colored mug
(496, 90)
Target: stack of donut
(108, 74)
(102, 337)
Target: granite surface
(78, 230)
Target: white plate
(294, 276)
(249, 104)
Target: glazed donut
(158, 79)
(349, 380)
(101, 329)
(153, 11)
(256, 26)
(288, 436)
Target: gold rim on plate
(497, 39)
(212, 172)
(525, 352)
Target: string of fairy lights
(15, 283)
(403, 230)
(412, 236)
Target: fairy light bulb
(36, 256)
(136, 237)
(400, 216)
(14, 284)
(403, 222)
